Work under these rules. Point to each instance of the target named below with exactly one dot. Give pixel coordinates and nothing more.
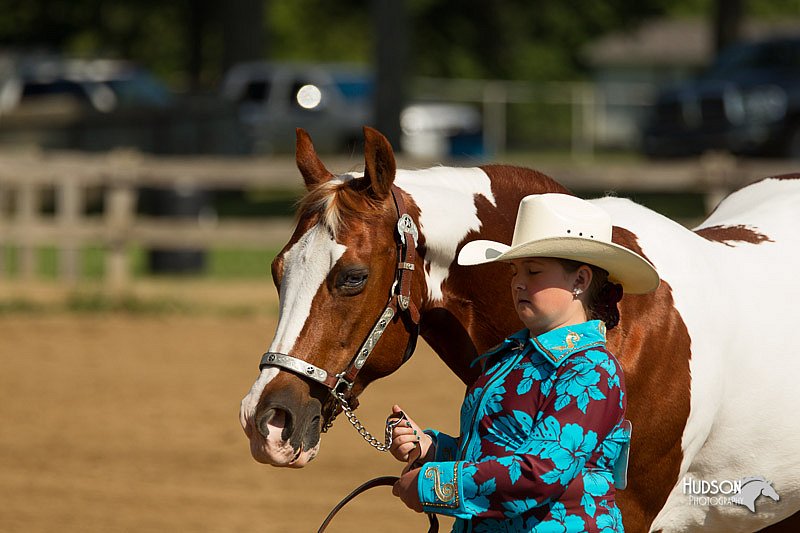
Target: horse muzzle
(283, 436)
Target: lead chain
(366, 435)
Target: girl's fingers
(406, 435)
(405, 449)
(410, 440)
(402, 431)
(404, 439)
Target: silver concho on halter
(403, 301)
(406, 225)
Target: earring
(576, 291)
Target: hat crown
(553, 215)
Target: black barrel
(185, 202)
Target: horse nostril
(263, 422)
(275, 419)
(286, 418)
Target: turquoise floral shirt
(541, 431)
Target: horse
(709, 368)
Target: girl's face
(542, 291)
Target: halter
(340, 384)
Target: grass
(102, 304)
(99, 302)
(167, 294)
(240, 264)
(21, 306)
(220, 264)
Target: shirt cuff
(439, 487)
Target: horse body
(697, 368)
(734, 292)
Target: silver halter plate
(293, 363)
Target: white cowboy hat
(566, 227)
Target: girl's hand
(406, 437)
(406, 489)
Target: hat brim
(629, 269)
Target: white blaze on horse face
(250, 402)
(446, 200)
(305, 267)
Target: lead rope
(378, 481)
(372, 483)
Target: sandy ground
(115, 422)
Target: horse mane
(338, 200)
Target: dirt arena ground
(120, 422)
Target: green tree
(516, 39)
(191, 42)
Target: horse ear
(311, 168)
(380, 165)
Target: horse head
(346, 287)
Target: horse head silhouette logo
(752, 488)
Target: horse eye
(352, 280)
(355, 279)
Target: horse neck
(466, 310)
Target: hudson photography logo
(743, 491)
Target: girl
(543, 433)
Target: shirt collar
(517, 340)
(558, 344)
(555, 345)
